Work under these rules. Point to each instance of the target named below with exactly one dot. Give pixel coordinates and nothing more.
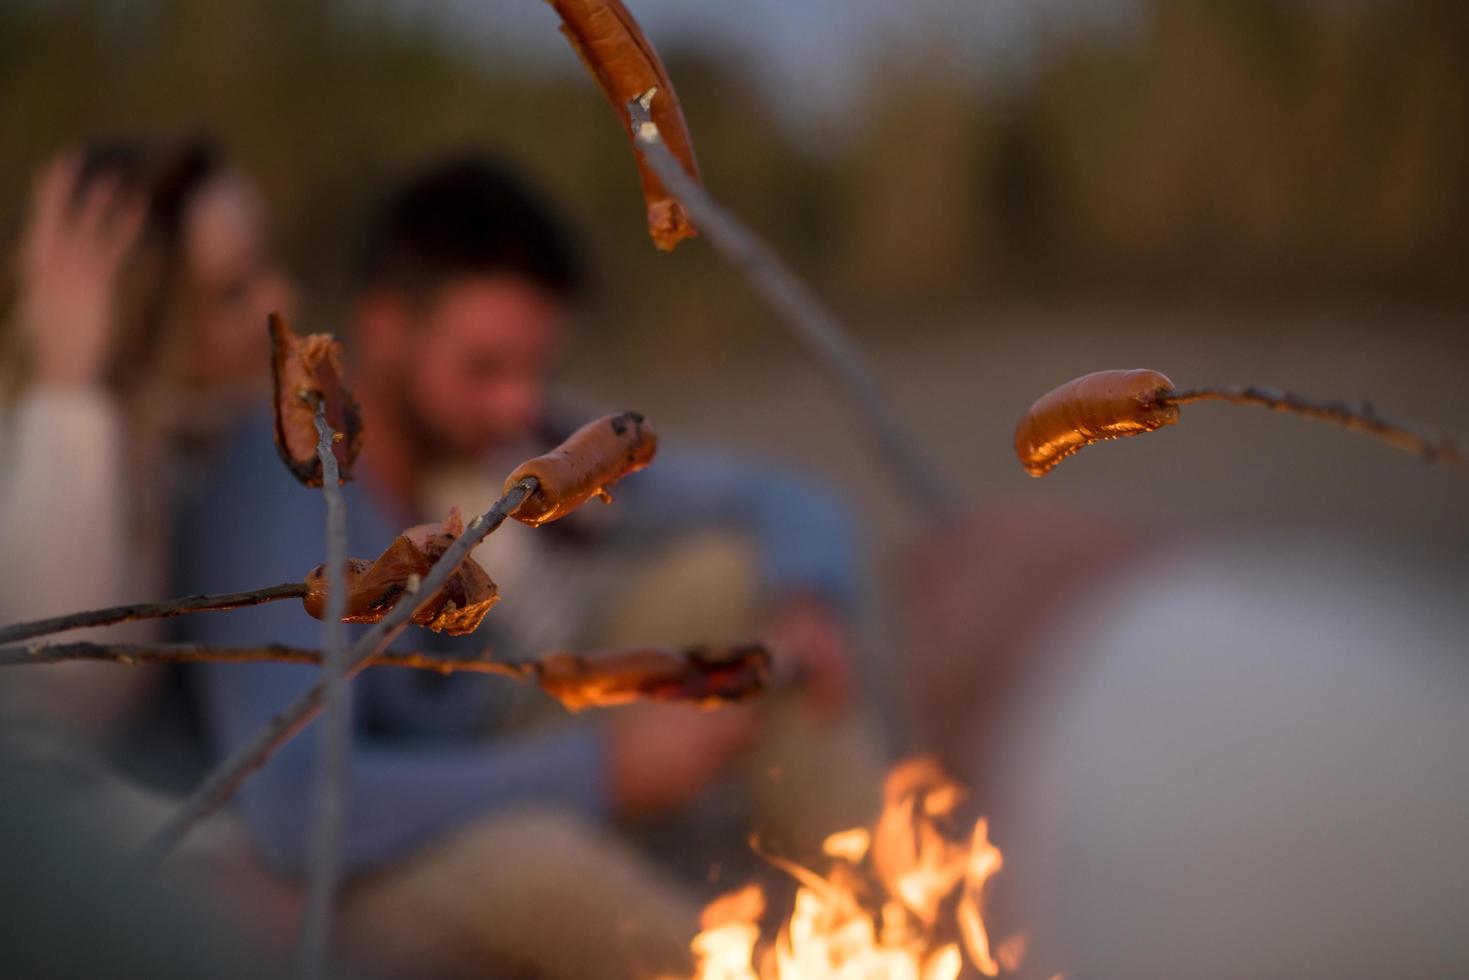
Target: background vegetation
(1277, 149)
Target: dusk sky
(815, 51)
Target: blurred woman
(132, 332)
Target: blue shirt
(426, 759)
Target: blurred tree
(1294, 149)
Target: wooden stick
(915, 470)
(705, 676)
(324, 867)
(150, 610)
(1359, 418)
(156, 654)
(604, 678)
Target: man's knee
(538, 887)
(701, 589)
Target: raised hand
(75, 244)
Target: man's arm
(254, 526)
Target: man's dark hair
(466, 216)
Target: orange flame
(879, 913)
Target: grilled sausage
(614, 49)
(1095, 407)
(375, 587)
(595, 456)
(706, 676)
(305, 370)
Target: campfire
(901, 901)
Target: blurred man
(486, 834)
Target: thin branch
(324, 870)
(226, 777)
(698, 675)
(153, 654)
(150, 610)
(1359, 418)
(601, 679)
(831, 342)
